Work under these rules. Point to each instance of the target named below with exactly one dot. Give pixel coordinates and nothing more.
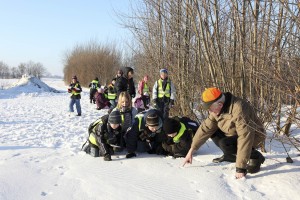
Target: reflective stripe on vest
(73, 92)
(161, 92)
(146, 88)
(111, 96)
(176, 139)
(139, 117)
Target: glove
(169, 141)
(69, 90)
(143, 136)
(160, 151)
(172, 103)
(111, 138)
(154, 102)
(74, 89)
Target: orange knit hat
(209, 96)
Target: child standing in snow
(144, 91)
(75, 90)
(163, 93)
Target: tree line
(30, 68)
(247, 47)
(90, 60)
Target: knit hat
(171, 126)
(152, 120)
(115, 117)
(74, 77)
(163, 71)
(210, 96)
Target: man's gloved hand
(69, 90)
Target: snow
(40, 158)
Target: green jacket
(237, 118)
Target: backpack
(86, 146)
(190, 124)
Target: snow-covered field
(40, 158)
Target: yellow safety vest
(95, 84)
(161, 92)
(146, 88)
(73, 92)
(111, 96)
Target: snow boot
(94, 151)
(107, 157)
(254, 164)
(225, 157)
(130, 155)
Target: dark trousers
(163, 106)
(92, 94)
(229, 144)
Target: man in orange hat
(234, 127)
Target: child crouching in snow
(101, 100)
(103, 135)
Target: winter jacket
(75, 90)
(102, 135)
(101, 101)
(237, 117)
(139, 132)
(124, 84)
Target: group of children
(147, 131)
(135, 126)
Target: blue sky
(44, 30)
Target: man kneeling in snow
(234, 127)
